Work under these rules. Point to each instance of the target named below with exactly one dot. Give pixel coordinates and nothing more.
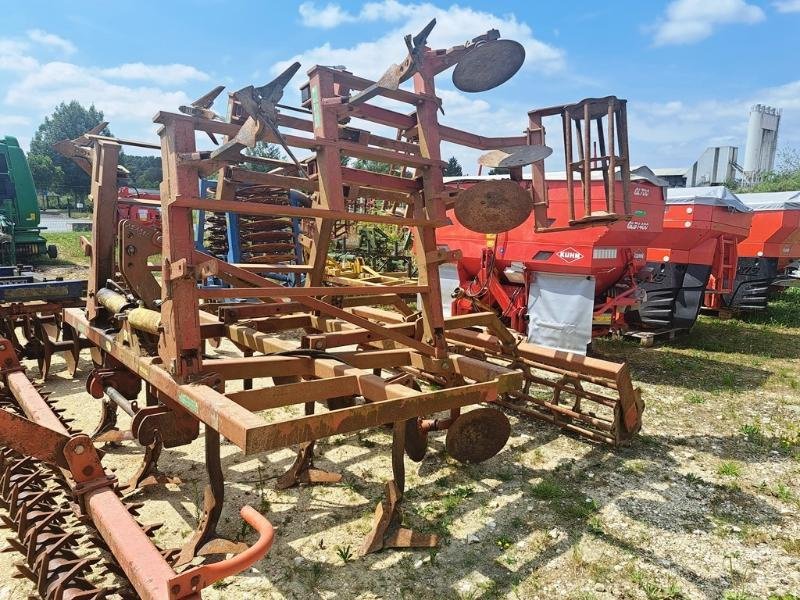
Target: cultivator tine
(302, 471)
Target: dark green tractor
(20, 233)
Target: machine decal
(638, 225)
(569, 255)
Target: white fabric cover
(717, 195)
(560, 311)
(772, 200)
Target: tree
(371, 165)
(145, 171)
(499, 171)
(68, 121)
(46, 175)
(264, 150)
(786, 178)
(453, 168)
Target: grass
(69, 249)
(729, 469)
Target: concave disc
(478, 435)
(515, 156)
(493, 206)
(488, 65)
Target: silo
(762, 141)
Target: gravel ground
(704, 504)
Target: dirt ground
(704, 504)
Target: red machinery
(694, 256)
(768, 256)
(146, 215)
(540, 281)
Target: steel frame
(157, 331)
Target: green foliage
(371, 165)
(499, 171)
(730, 469)
(453, 168)
(68, 121)
(345, 553)
(145, 171)
(786, 178)
(46, 174)
(264, 150)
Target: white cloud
(163, 74)
(787, 6)
(14, 56)
(56, 82)
(326, 17)
(455, 25)
(689, 21)
(332, 15)
(50, 39)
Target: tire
(52, 251)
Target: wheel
(52, 251)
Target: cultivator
(361, 365)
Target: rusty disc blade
(416, 440)
(493, 206)
(478, 435)
(515, 156)
(488, 65)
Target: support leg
(386, 530)
(302, 472)
(205, 539)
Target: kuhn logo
(641, 191)
(569, 255)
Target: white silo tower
(762, 141)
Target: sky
(690, 69)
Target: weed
(730, 469)
(792, 546)
(653, 590)
(635, 466)
(782, 492)
(752, 432)
(504, 542)
(344, 553)
(693, 478)
(695, 398)
(595, 525)
(547, 489)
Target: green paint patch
(187, 402)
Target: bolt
(319, 345)
(79, 449)
(88, 470)
(175, 590)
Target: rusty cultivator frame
(365, 357)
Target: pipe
(121, 401)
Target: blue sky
(690, 69)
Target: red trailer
(768, 257)
(694, 256)
(559, 287)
